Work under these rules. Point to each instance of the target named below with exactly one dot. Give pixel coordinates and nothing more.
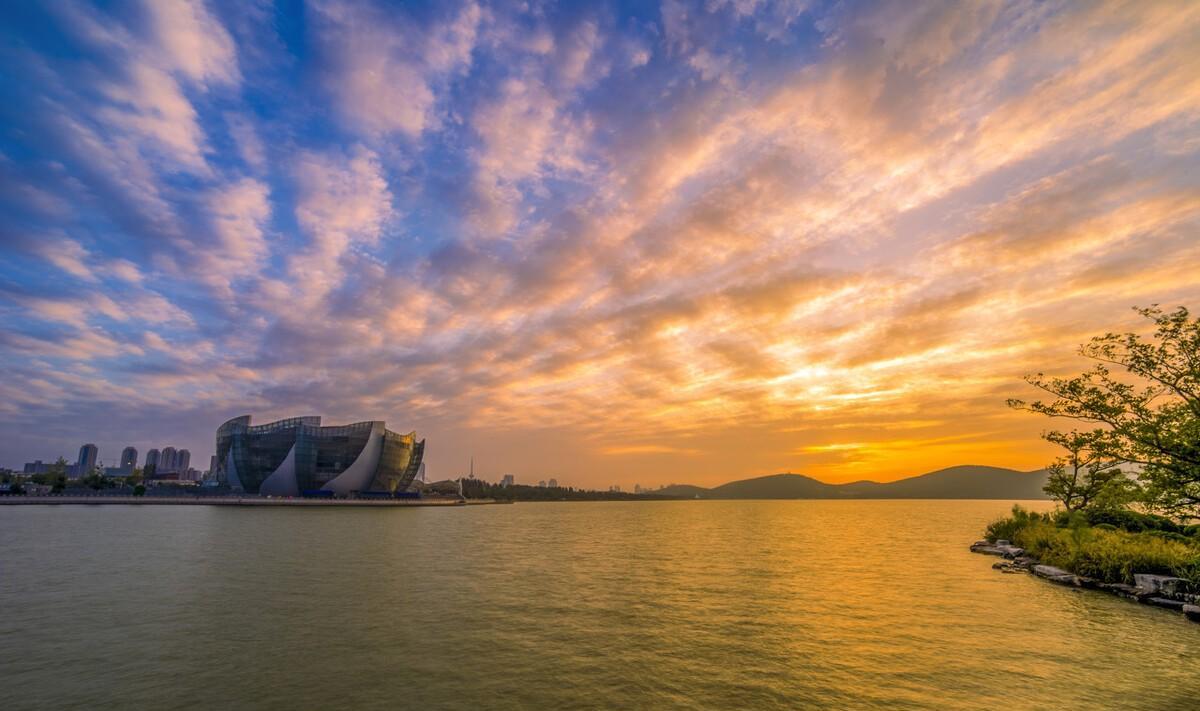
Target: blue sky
(604, 242)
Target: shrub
(1103, 551)
(1169, 536)
(1008, 528)
(1128, 520)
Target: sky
(612, 243)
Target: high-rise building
(212, 466)
(129, 458)
(553, 483)
(87, 460)
(167, 461)
(183, 460)
(542, 484)
(506, 480)
(152, 458)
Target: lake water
(706, 604)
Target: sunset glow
(688, 243)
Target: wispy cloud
(699, 240)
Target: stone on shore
(1128, 592)
(1163, 591)
(1163, 585)
(1001, 548)
(1056, 575)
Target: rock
(1192, 612)
(1161, 585)
(1056, 575)
(1005, 566)
(1164, 602)
(1002, 543)
(985, 548)
(1128, 592)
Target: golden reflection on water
(751, 604)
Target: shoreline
(233, 501)
(1162, 591)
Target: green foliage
(1103, 551)
(1133, 521)
(139, 490)
(96, 481)
(1007, 528)
(1148, 415)
(55, 475)
(1085, 476)
(1169, 536)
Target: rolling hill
(961, 482)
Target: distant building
(212, 466)
(553, 483)
(36, 467)
(292, 456)
(637, 488)
(506, 480)
(87, 460)
(542, 484)
(167, 460)
(129, 458)
(152, 458)
(183, 460)
(615, 488)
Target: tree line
(480, 489)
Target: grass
(1102, 550)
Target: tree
(56, 476)
(1150, 414)
(1085, 477)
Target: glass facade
(399, 462)
(298, 455)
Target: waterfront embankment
(1165, 591)
(234, 501)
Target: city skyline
(621, 243)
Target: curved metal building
(292, 456)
